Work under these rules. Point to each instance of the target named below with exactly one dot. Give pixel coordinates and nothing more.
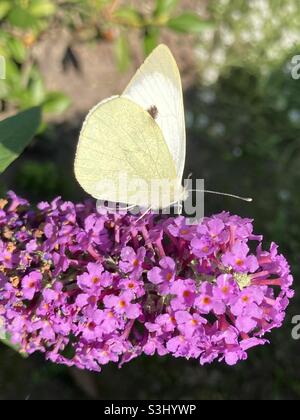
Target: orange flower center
(91, 326)
(245, 299)
(95, 280)
(122, 303)
(136, 263)
(186, 293)
(131, 285)
(207, 300)
(225, 290)
(239, 262)
(169, 276)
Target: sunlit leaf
(151, 39)
(5, 339)
(37, 91)
(5, 7)
(122, 53)
(22, 18)
(128, 16)
(164, 7)
(17, 49)
(16, 133)
(188, 23)
(13, 75)
(42, 8)
(56, 103)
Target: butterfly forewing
(157, 85)
(120, 142)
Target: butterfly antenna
(247, 199)
(143, 215)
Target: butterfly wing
(158, 84)
(121, 151)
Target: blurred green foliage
(23, 23)
(41, 178)
(150, 22)
(243, 122)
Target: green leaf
(5, 7)
(13, 74)
(2, 68)
(6, 339)
(188, 23)
(17, 49)
(22, 18)
(4, 90)
(151, 39)
(128, 16)
(37, 92)
(164, 7)
(16, 133)
(122, 53)
(56, 103)
(42, 8)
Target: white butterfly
(139, 136)
(132, 147)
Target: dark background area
(243, 126)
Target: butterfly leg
(116, 209)
(180, 207)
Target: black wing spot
(153, 111)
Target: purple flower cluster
(87, 288)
